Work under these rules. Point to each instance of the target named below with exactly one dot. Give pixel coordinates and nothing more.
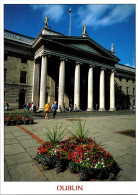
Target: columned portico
(61, 85)
(112, 92)
(90, 89)
(77, 86)
(43, 82)
(102, 90)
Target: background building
(69, 69)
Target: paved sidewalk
(21, 143)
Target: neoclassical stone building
(68, 69)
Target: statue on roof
(112, 48)
(46, 21)
(84, 31)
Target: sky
(105, 23)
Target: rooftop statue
(112, 47)
(46, 21)
(84, 32)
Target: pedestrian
(6, 105)
(46, 110)
(75, 108)
(28, 106)
(24, 106)
(96, 106)
(32, 108)
(54, 109)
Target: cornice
(125, 68)
(18, 38)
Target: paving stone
(115, 153)
(121, 178)
(10, 141)
(120, 146)
(32, 151)
(52, 175)
(26, 172)
(24, 137)
(19, 133)
(128, 171)
(8, 136)
(13, 149)
(17, 158)
(129, 159)
(6, 173)
(29, 143)
(131, 150)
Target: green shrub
(55, 134)
(79, 130)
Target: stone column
(43, 82)
(61, 88)
(36, 89)
(90, 89)
(102, 91)
(112, 92)
(77, 86)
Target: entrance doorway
(21, 99)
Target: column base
(61, 110)
(112, 109)
(41, 109)
(90, 110)
(58, 110)
(102, 109)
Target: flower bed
(16, 119)
(82, 156)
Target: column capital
(80, 63)
(113, 70)
(91, 66)
(47, 55)
(63, 59)
(103, 68)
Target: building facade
(69, 69)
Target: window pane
(22, 77)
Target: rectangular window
(22, 77)
(5, 72)
(24, 60)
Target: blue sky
(105, 23)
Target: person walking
(54, 108)
(24, 107)
(46, 110)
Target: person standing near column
(46, 110)
(54, 108)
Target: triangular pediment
(84, 47)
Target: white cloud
(92, 15)
(55, 12)
(104, 15)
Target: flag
(69, 11)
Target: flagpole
(70, 25)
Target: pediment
(85, 47)
(84, 44)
